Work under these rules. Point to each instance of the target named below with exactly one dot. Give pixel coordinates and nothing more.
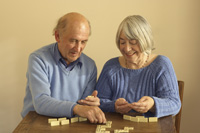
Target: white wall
(27, 25)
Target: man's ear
(57, 36)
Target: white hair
(136, 27)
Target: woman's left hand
(145, 104)
(122, 106)
(92, 100)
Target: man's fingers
(80, 102)
(102, 118)
(90, 103)
(96, 116)
(99, 117)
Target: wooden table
(36, 123)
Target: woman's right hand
(122, 106)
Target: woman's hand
(92, 100)
(145, 104)
(122, 106)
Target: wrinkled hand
(145, 104)
(91, 101)
(93, 113)
(122, 106)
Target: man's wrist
(76, 108)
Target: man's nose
(78, 47)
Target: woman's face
(130, 49)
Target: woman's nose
(127, 47)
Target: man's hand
(92, 100)
(145, 104)
(93, 113)
(122, 106)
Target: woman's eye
(122, 43)
(133, 42)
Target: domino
(103, 129)
(60, 119)
(90, 96)
(126, 117)
(120, 131)
(55, 123)
(102, 132)
(128, 128)
(80, 119)
(143, 119)
(52, 119)
(140, 116)
(75, 119)
(98, 126)
(64, 122)
(123, 131)
(153, 119)
(106, 126)
(103, 126)
(109, 122)
(116, 131)
(98, 129)
(135, 119)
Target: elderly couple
(60, 77)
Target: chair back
(178, 116)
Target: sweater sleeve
(43, 103)
(167, 100)
(105, 92)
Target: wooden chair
(178, 116)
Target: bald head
(71, 20)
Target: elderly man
(59, 75)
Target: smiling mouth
(130, 54)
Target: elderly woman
(138, 81)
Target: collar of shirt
(59, 58)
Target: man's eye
(72, 41)
(84, 42)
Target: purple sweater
(158, 80)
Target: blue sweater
(52, 89)
(158, 80)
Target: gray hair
(136, 27)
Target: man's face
(72, 41)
